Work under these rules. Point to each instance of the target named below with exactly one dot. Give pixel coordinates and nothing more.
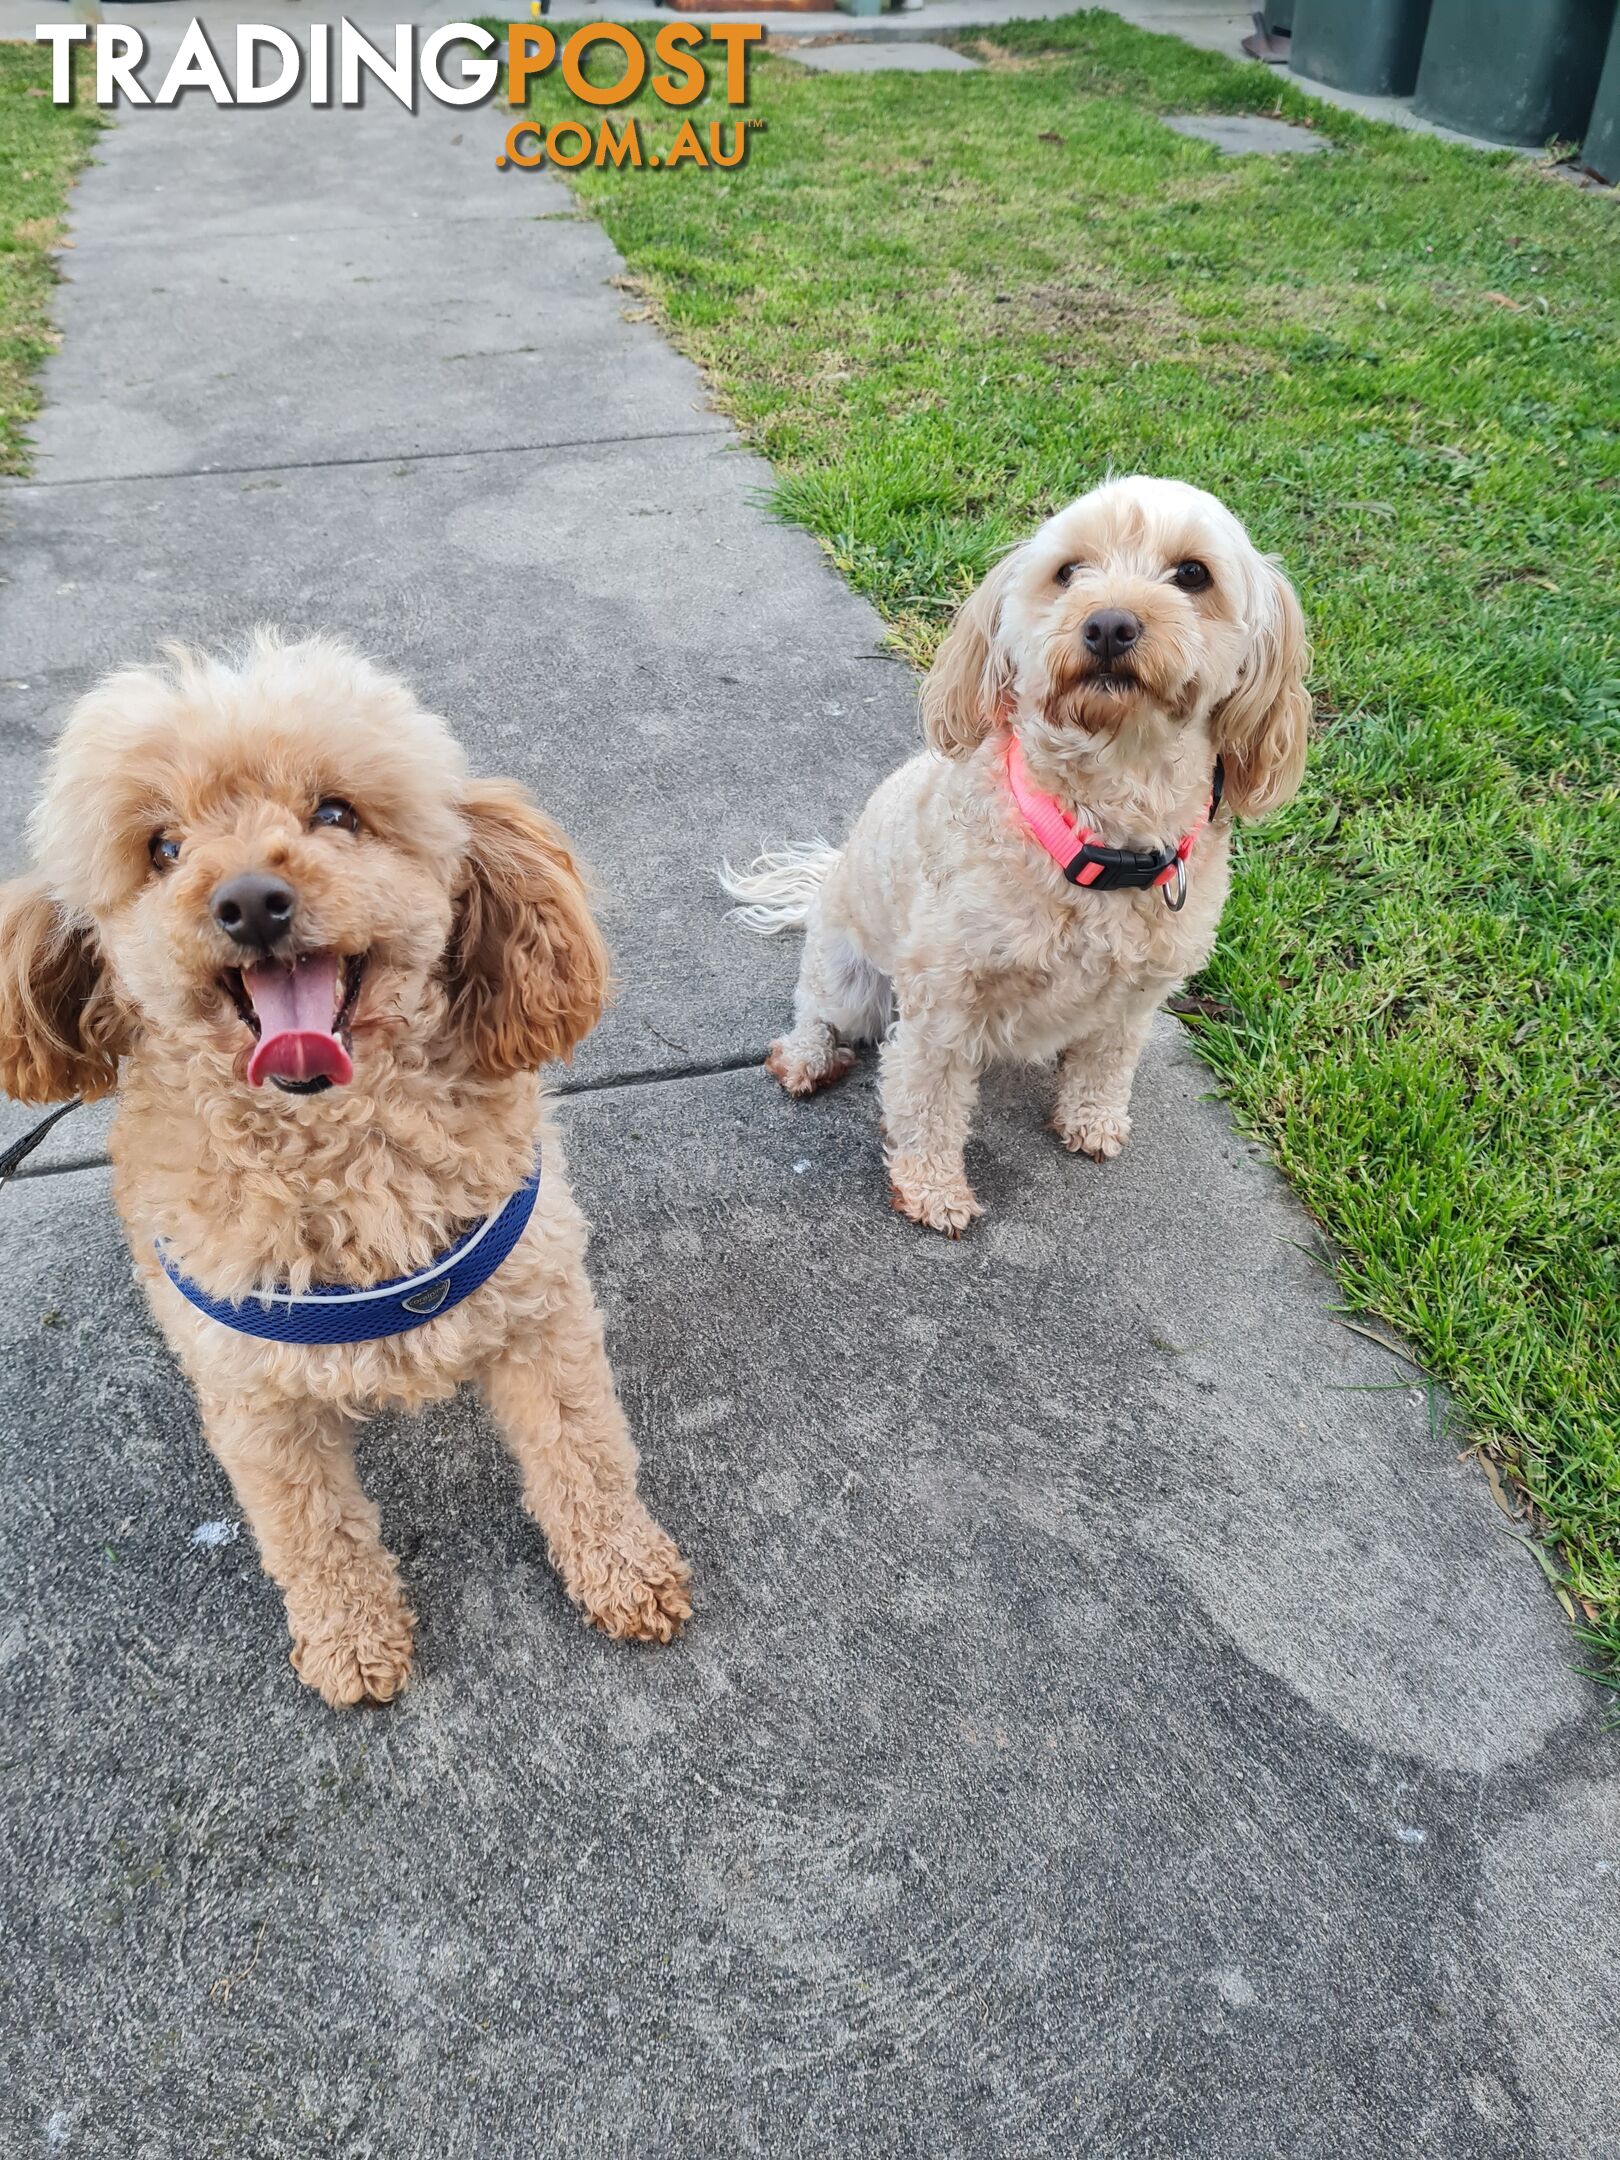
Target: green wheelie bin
(1372, 46)
(1602, 149)
(1515, 71)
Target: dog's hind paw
(806, 1071)
(635, 1592)
(1101, 1134)
(354, 1653)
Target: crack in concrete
(396, 457)
(88, 249)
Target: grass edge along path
(42, 147)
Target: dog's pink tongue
(296, 1007)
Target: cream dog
(323, 966)
(1038, 881)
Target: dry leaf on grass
(1499, 1491)
(1371, 1335)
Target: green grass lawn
(942, 305)
(41, 146)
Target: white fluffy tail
(778, 891)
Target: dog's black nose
(1110, 632)
(255, 909)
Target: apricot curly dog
(322, 967)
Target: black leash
(20, 1150)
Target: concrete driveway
(1115, 1721)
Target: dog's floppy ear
(965, 697)
(528, 970)
(1260, 730)
(62, 1028)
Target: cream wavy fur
(943, 928)
(482, 963)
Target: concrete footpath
(1115, 1722)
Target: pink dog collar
(1083, 861)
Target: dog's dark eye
(1192, 576)
(335, 811)
(1064, 572)
(164, 851)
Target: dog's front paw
(944, 1204)
(633, 1584)
(352, 1648)
(1098, 1133)
(804, 1070)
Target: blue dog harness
(331, 1314)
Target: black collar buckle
(1119, 869)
